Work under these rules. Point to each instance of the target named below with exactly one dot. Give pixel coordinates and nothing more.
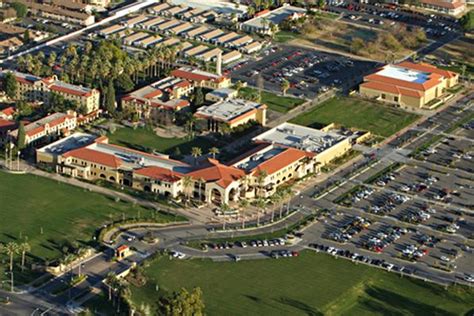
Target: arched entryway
(147, 188)
(216, 196)
(233, 194)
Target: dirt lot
(458, 51)
(339, 36)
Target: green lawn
(312, 284)
(49, 213)
(274, 102)
(351, 112)
(147, 140)
(286, 36)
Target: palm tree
(285, 85)
(187, 183)
(261, 180)
(214, 151)
(111, 280)
(23, 248)
(250, 11)
(196, 152)
(11, 249)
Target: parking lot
(308, 71)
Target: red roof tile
(213, 171)
(282, 160)
(159, 173)
(9, 111)
(95, 157)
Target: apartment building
(163, 95)
(32, 88)
(408, 84)
(51, 126)
(450, 7)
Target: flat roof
(74, 141)
(405, 74)
(275, 16)
(301, 137)
(227, 110)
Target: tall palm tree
(187, 183)
(261, 180)
(11, 249)
(196, 152)
(201, 181)
(23, 248)
(214, 151)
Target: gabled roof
(94, 156)
(159, 173)
(213, 171)
(428, 68)
(9, 111)
(391, 89)
(280, 161)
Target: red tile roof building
(408, 84)
(451, 7)
(52, 125)
(201, 78)
(33, 88)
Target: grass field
(350, 112)
(49, 213)
(274, 102)
(146, 139)
(312, 284)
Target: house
(241, 41)
(196, 32)
(208, 36)
(221, 40)
(135, 21)
(32, 88)
(196, 50)
(8, 113)
(108, 31)
(148, 41)
(158, 9)
(10, 44)
(408, 84)
(232, 112)
(148, 25)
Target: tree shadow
(305, 308)
(404, 303)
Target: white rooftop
(228, 109)
(135, 159)
(69, 143)
(405, 74)
(301, 137)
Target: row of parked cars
(350, 229)
(252, 243)
(381, 239)
(361, 258)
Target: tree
(321, 4)
(196, 152)
(183, 303)
(357, 45)
(214, 151)
(198, 97)
(11, 249)
(285, 85)
(467, 21)
(23, 248)
(125, 83)
(110, 98)
(187, 184)
(10, 85)
(21, 137)
(26, 37)
(20, 8)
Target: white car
(178, 255)
(469, 278)
(445, 259)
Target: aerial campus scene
(236, 157)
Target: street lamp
(11, 280)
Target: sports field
(352, 112)
(312, 284)
(48, 213)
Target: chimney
(219, 64)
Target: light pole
(11, 280)
(18, 161)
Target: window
(384, 96)
(395, 99)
